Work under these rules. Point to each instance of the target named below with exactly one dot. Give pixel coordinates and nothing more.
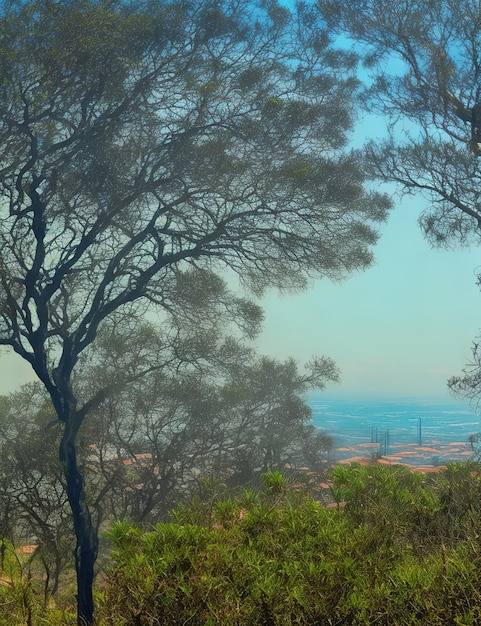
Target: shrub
(280, 558)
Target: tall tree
(142, 137)
(217, 411)
(423, 63)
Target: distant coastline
(412, 431)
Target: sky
(399, 329)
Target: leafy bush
(21, 599)
(280, 558)
(401, 548)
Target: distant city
(413, 432)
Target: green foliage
(21, 598)
(274, 482)
(421, 62)
(280, 558)
(404, 549)
(393, 502)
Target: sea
(416, 431)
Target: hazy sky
(401, 328)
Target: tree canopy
(142, 138)
(423, 63)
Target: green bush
(22, 601)
(280, 558)
(401, 548)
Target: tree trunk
(86, 536)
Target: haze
(401, 328)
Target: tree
(139, 139)
(32, 494)
(467, 385)
(265, 425)
(144, 449)
(230, 415)
(423, 63)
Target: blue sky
(401, 328)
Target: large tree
(422, 64)
(218, 411)
(141, 137)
